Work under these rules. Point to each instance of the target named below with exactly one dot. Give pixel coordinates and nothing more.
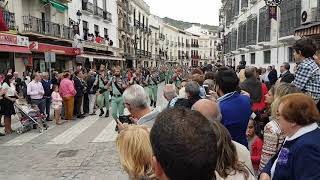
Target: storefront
(14, 53)
(65, 57)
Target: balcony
(98, 12)
(46, 28)
(9, 18)
(187, 45)
(124, 6)
(87, 7)
(107, 16)
(126, 28)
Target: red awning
(17, 49)
(42, 47)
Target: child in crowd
(56, 103)
(255, 143)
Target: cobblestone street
(81, 149)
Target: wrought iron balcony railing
(9, 18)
(107, 16)
(47, 28)
(88, 7)
(98, 11)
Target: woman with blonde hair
(135, 152)
(273, 136)
(228, 166)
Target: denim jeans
(40, 103)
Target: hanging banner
(273, 12)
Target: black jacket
(287, 77)
(78, 86)
(273, 76)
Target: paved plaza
(80, 149)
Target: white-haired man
(170, 94)
(136, 101)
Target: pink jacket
(66, 88)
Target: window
(243, 57)
(234, 36)
(252, 30)
(290, 16)
(264, 25)
(242, 38)
(106, 36)
(96, 30)
(85, 30)
(134, 17)
(235, 7)
(244, 3)
(267, 57)
(253, 58)
(290, 54)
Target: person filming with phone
(136, 101)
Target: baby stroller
(30, 118)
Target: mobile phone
(206, 88)
(125, 119)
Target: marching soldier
(152, 81)
(118, 84)
(103, 91)
(177, 78)
(137, 78)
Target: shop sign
(42, 47)
(14, 40)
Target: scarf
(253, 87)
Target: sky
(198, 11)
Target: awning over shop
(59, 6)
(308, 30)
(16, 49)
(91, 56)
(42, 47)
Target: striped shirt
(273, 138)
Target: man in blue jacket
(235, 108)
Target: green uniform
(152, 81)
(177, 81)
(117, 104)
(104, 97)
(167, 77)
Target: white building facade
(142, 33)
(96, 19)
(250, 35)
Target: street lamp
(79, 14)
(274, 6)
